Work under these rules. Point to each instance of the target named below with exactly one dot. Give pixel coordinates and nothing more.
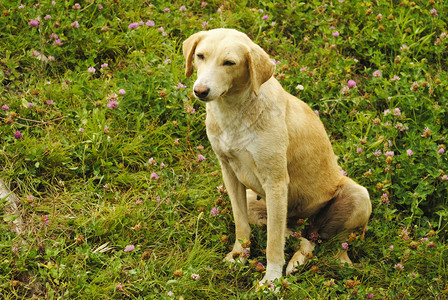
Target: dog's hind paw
(239, 257)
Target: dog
(272, 146)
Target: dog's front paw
(268, 283)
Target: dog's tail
(256, 208)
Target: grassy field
(120, 195)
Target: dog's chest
(235, 150)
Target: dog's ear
(261, 67)
(188, 48)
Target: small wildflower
(44, 220)
(33, 23)
(21, 6)
(431, 245)
(106, 129)
(386, 112)
(195, 276)
(180, 86)
(154, 176)
(377, 73)
(91, 70)
(133, 25)
(385, 198)
(183, 8)
(152, 161)
(335, 34)
(167, 61)
(389, 154)
(162, 165)
(77, 6)
(399, 267)
(51, 58)
(369, 296)
(201, 158)
(377, 153)
(150, 23)
(414, 86)
(433, 12)
(47, 17)
(345, 90)
(332, 28)
(260, 267)
(203, 4)
(409, 152)
(129, 248)
(404, 235)
(81, 129)
(221, 188)
(445, 177)
(214, 211)
(18, 135)
(5, 107)
(112, 104)
(57, 43)
(265, 17)
(119, 287)
(122, 92)
(330, 283)
(100, 6)
(75, 24)
(391, 247)
(359, 150)
(413, 275)
(351, 83)
(170, 293)
(404, 48)
(190, 109)
(104, 66)
(245, 253)
(300, 87)
(441, 151)
(395, 78)
(343, 173)
(15, 249)
(344, 246)
(426, 132)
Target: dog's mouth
(204, 99)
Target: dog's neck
(231, 110)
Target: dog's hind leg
(301, 256)
(349, 210)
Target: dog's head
(227, 63)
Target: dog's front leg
(277, 205)
(237, 194)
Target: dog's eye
(200, 56)
(228, 63)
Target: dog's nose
(201, 91)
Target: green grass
(88, 187)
